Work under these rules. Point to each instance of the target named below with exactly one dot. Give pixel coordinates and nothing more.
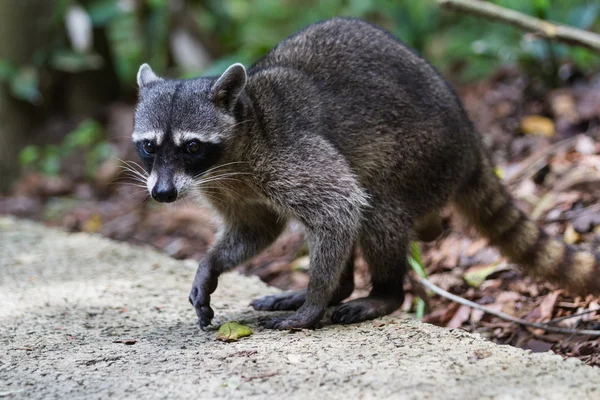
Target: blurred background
(67, 94)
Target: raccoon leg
(384, 241)
(323, 193)
(329, 250)
(239, 241)
(291, 301)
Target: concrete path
(84, 317)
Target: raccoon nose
(164, 192)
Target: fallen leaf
(460, 316)
(571, 236)
(538, 125)
(448, 313)
(563, 106)
(585, 145)
(594, 305)
(480, 354)
(499, 172)
(300, 264)
(586, 222)
(475, 275)
(233, 331)
(547, 306)
(93, 224)
(476, 316)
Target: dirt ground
(83, 316)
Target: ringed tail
(489, 207)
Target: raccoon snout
(164, 192)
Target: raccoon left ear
(146, 76)
(227, 89)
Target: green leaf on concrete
(233, 331)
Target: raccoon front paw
(200, 299)
(304, 318)
(290, 301)
(204, 312)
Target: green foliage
(415, 262)
(86, 141)
(243, 30)
(23, 82)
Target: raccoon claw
(205, 315)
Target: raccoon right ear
(146, 76)
(227, 89)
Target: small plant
(86, 141)
(415, 262)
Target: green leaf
(415, 261)
(50, 164)
(233, 331)
(420, 311)
(7, 70)
(103, 11)
(476, 275)
(24, 85)
(29, 155)
(87, 134)
(70, 61)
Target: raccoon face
(183, 127)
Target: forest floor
(85, 317)
(545, 143)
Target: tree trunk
(24, 29)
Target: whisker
(131, 164)
(223, 175)
(241, 122)
(221, 166)
(129, 175)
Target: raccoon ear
(146, 76)
(227, 89)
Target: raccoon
(345, 129)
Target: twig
(420, 291)
(555, 320)
(571, 214)
(538, 160)
(539, 27)
(502, 315)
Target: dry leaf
(547, 306)
(93, 224)
(571, 236)
(475, 275)
(460, 316)
(538, 125)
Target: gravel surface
(84, 317)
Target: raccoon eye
(148, 147)
(192, 147)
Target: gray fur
(341, 127)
